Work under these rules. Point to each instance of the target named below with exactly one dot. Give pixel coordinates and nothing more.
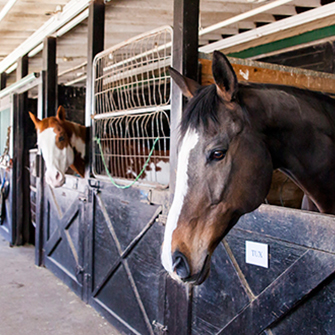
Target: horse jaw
(56, 160)
(189, 142)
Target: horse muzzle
(55, 178)
(182, 271)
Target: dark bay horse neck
(62, 144)
(299, 129)
(232, 138)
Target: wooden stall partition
(293, 295)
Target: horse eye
(217, 155)
(61, 138)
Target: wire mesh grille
(126, 142)
(134, 75)
(132, 108)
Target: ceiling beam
(8, 6)
(243, 16)
(289, 23)
(70, 11)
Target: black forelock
(201, 110)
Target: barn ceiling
(21, 19)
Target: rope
(122, 187)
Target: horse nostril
(180, 265)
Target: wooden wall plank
(257, 72)
(283, 294)
(308, 229)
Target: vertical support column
(47, 96)
(185, 60)
(50, 73)
(3, 80)
(39, 231)
(22, 67)
(20, 188)
(96, 36)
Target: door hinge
(162, 219)
(159, 329)
(79, 270)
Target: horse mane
(291, 89)
(201, 110)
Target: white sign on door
(257, 254)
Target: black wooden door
(127, 281)
(294, 295)
(65, 232)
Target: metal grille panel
(131, 109)
(134, 74)
(126, 142)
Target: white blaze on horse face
(56, 160)
(189, 142)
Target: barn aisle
(34, 302)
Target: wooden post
(50, 68)
(20, 180)
(22, 67)
(48, 94)
(3, 80)
(185, 60)
(39, 231)
(96, 34)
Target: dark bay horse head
(224, 170)
(232, 137)
(62, 144)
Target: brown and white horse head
(224, 170)
(62, 144)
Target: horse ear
(187, 85)
(61, 113)
(35, 119)
(224, 76)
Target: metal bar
(134, 39)
(19, 84)
(77, 80)
(72, 69)
(130, 112)
(136, 71)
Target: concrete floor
(35, 302)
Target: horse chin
(55, 183)
(201, 276)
